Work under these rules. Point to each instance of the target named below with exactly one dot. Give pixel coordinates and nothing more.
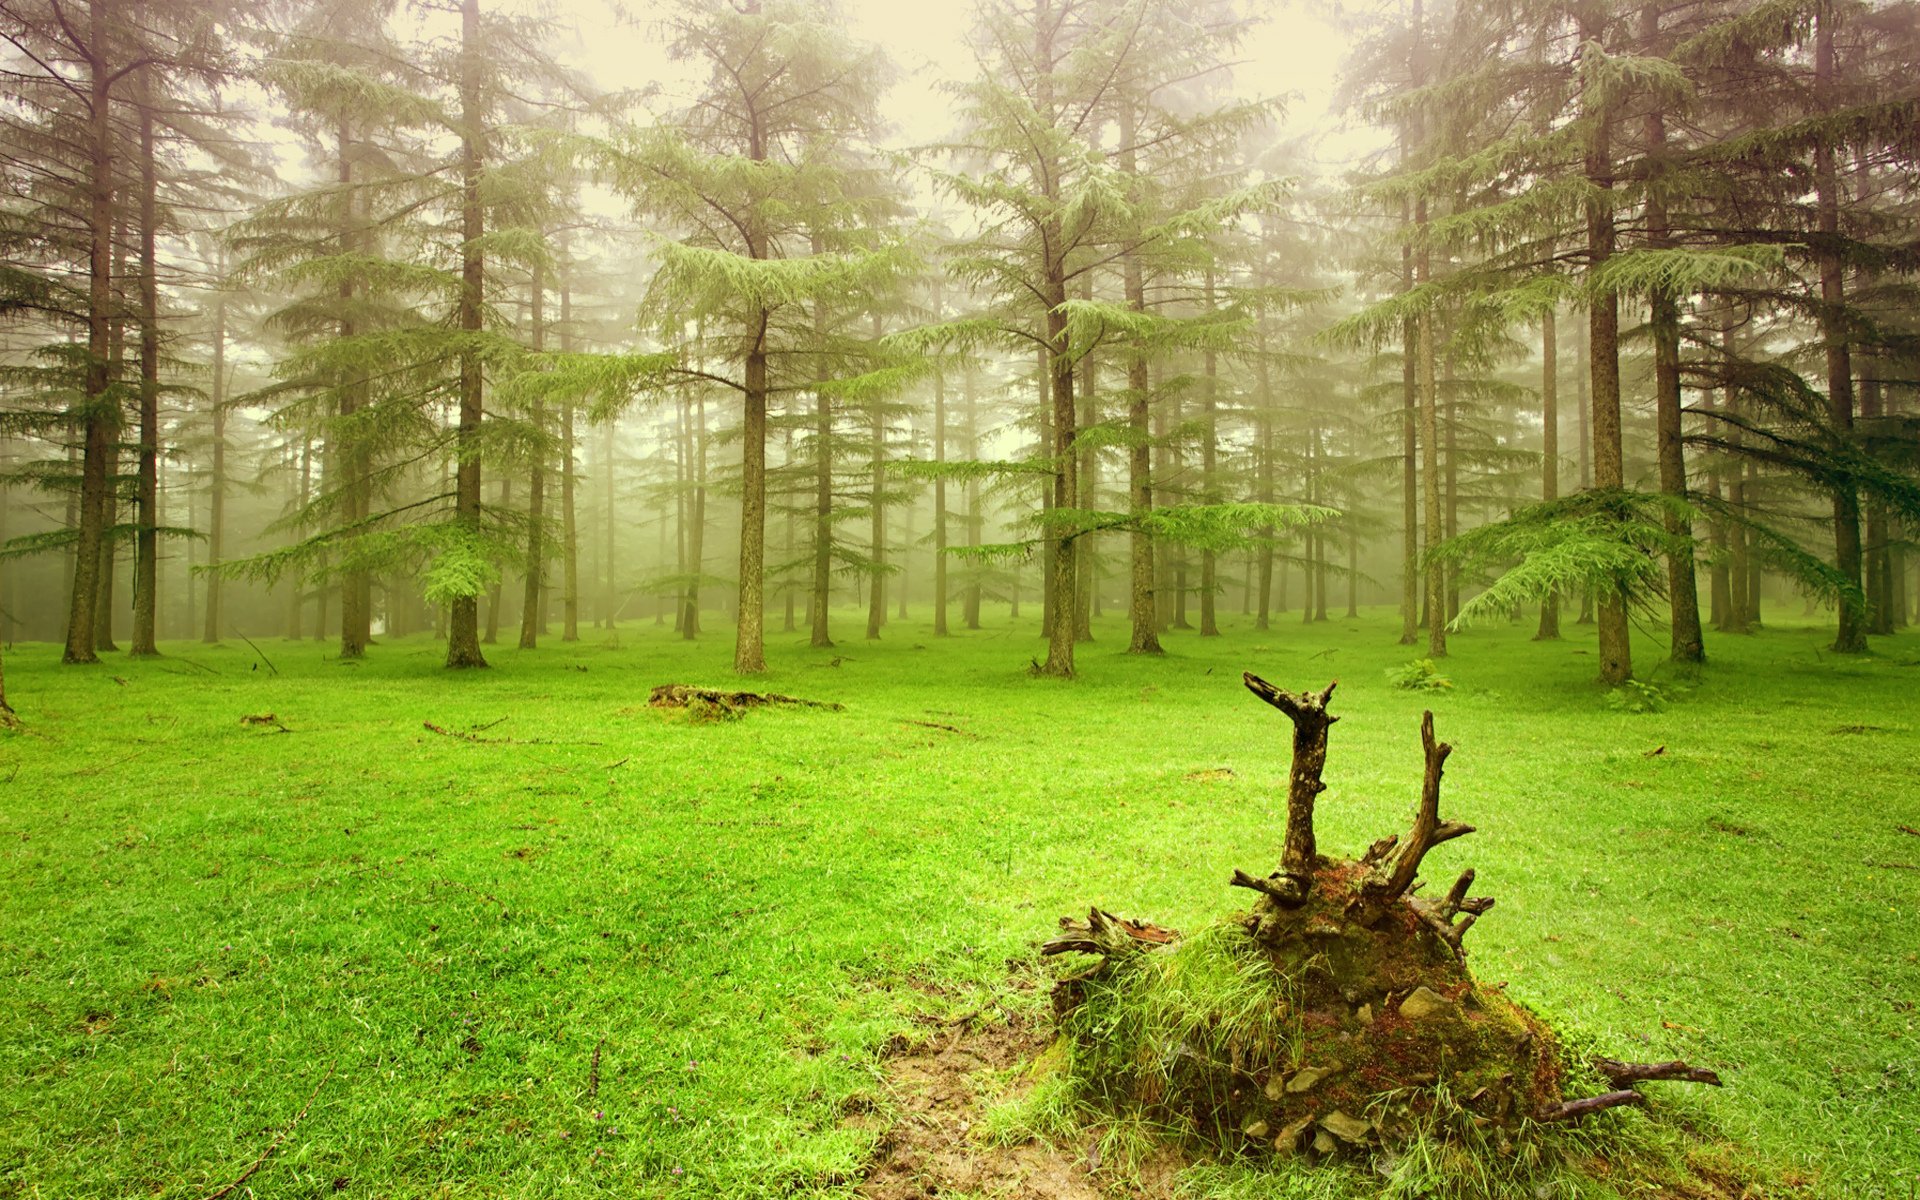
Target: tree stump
(1337, 1015)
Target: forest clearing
(972, 600)
(593, 947)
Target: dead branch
(593, 1069)
(273, 1145)
(1283, 889)
(1622, 1074)
(430, 727)
(966, 733)
(1572, 1110)
(1105, 934)
(1428, 830)
(263, 719)
(1308, 712)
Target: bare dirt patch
(939, 1088)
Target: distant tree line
(1626, 314)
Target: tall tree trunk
(970, 609)
(1429, 438)
(569, 519)
(146, 559)
(1603, 326)
(1263, 377)
(1851, 634)
(496, 592)
(217, 475)
(939, 500)
(787, 590)
(697, 523)
(1450, 482)
(749, 649)
(1583, 410)
(1549, 450)
(296, 600)
(463, 640)
(822, 591)
(1142, 618)
(1065, 479)
(533, 609)
(99, 414)
(1409, 452)
(353, 456)
(1686, 644)
(877, 532)
(1878, 557)
(1086, 483)
(1209, 462)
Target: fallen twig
(265, 719)
(263, 658)
(475, 738)
(593, 1070)
(943, 728)
(490, 724)
(620, 763)
(1908, 829)
(279, 1137)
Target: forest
(420, 420)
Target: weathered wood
(679, 695)
(1622, 1074)
(1308, 712)
(1428, 830)
(1572, 1110)
(1105, 934)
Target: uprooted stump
(717, 704)
(1335, 1017)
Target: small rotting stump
(1336, 1017)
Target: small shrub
(1420, 675)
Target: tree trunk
(99, 415)
(146, 558)
(975, 521)
(217, 477)
(1209, 463)
(877, 532)
(1142, 617)
(1603, 326)
(463, 641)
(1436, 597)
(353, 457)
(1065, 480)
(939, 500)
(495, 593)
(1686, 644)
(532, 606)
(1549, 450)
(1851, 634)
(569, 519)
(697, 519)
(749, 650)
(1409, 451)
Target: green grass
(198, 919)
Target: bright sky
(1292, 51)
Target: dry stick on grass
(1573, 1109)
(279, 1137)
(943, 728)
(476, 739)
(593, 1069)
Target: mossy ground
(197, 917)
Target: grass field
(617, 952)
